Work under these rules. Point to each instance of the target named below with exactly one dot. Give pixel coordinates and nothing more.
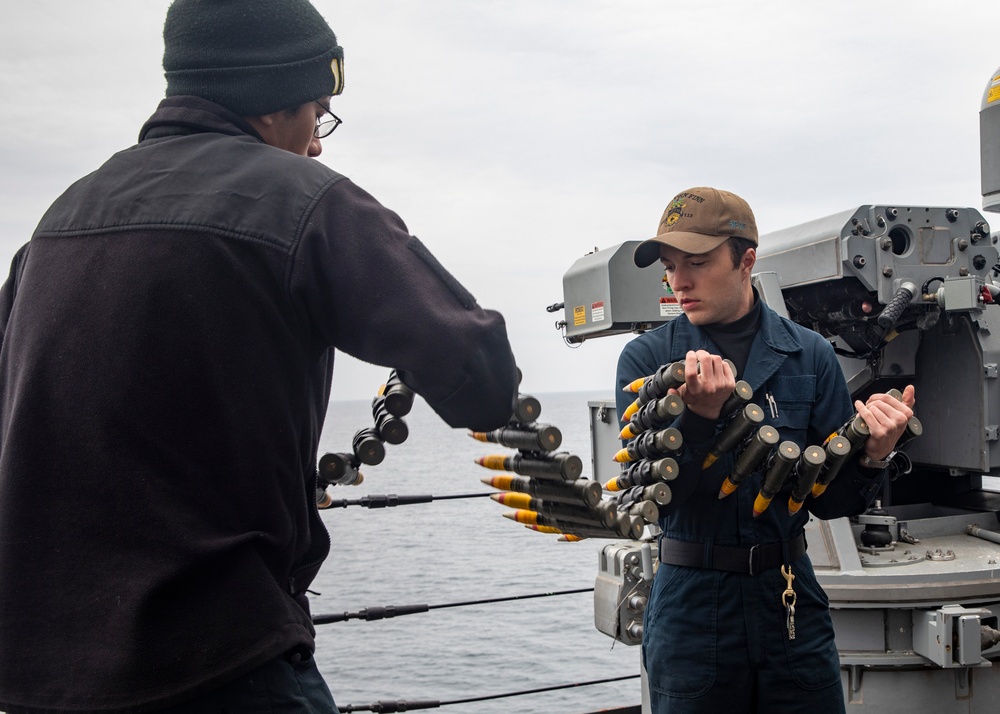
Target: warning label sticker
(669, 306)
(579, 316)
(597, 312)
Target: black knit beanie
(253, 57)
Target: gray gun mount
(932, 267)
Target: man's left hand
(886, 419)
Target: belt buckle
(753, 549)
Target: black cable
(385, 612)
(402, 705)
(391, 500)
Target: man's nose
(315, 148)
(679, 280)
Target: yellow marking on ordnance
(760, 504)
(501, 482)
(479, 435)
(627, 433)
(522, 516)
(497, 462)
(570, 538)
(623, 457)
(635, 385)
(794, 506)
(818, 489)
(709, 460)
(543, 529)
(728, 486)
(630, 410)
(512, 499)
(612, 485)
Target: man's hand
(708, 383)
(886, 419)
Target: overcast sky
(514, 137)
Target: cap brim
(648, 252)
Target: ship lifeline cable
(382, 613)
(390, 500)
(403, 705)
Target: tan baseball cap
(697, 221)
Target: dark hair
(738, 246)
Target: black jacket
(168, 338)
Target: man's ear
(262, 121)
(749, 258)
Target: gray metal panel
(927, 691)
(881, 246)
(604, 439)
(989, 143)
(605, 294)
(950, 380)
(806, 253)
(769, 290)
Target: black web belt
(748, 561)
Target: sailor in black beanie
(166, 353)
(253, 57)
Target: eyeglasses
(326, 123)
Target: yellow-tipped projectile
(569, 538)
(501, 482)
(522, 516)
(627, 433)
(818, 489)
(612, 485)
(635, 385)
(623, 456)
(728, 486)
(794, 506)
(511, 499)
(760, 504)
(497, 462)
(709, 460)
(630, 410)
(479, 435)
(542, 529)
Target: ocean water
(459, 551)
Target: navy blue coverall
(718, 641)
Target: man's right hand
(708, 383)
